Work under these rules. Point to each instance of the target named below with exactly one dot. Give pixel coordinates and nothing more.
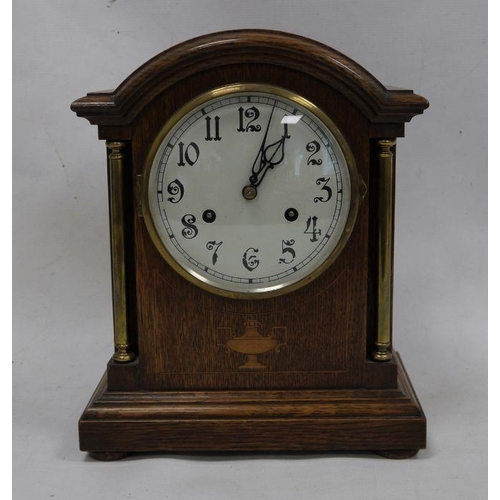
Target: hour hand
(272, 155)
(268, 157)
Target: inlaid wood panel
(184, 331)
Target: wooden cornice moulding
(380, 104)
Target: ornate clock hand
(270, 156)
(276, 148)
(260, 154)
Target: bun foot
(107, 456)
(397, 454)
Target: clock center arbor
(251, 193)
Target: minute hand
(259, 157)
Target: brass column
(385, 241)
(122, 354)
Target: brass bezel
(279, 92)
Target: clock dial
(250, 191)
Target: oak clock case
(251, 184)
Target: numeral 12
(252, 114)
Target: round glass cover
(251, 191)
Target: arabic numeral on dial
(251, 114)
(312, 229)
(250, 260)
(210, 246)
(286, 248)
(176, 189)
(217, 136)
(286, 135)
(188, 154)
(190, 230)
(323, 181)
(313, 147)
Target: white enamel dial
(250, 193)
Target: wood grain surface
(348, 419)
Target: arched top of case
(379, 103)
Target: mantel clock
(251, 192)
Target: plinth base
(389, 422)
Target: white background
(62, 335)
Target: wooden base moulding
(389, 422)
